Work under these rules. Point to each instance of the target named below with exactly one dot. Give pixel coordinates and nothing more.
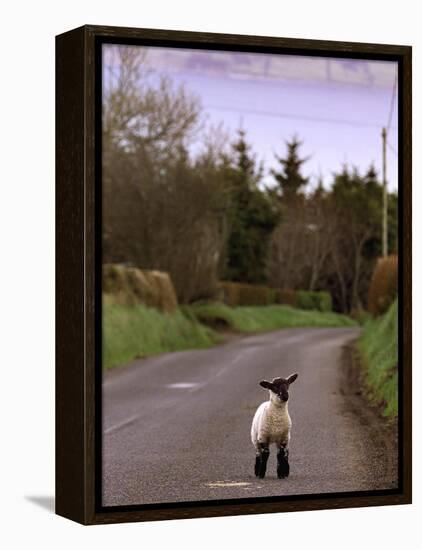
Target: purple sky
(337, 107)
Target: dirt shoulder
(379, 433)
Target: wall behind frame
(27, 229)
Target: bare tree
(355, 211)
(161, 209)
(302, 243)
(321, 235)
(142, 108)
(289, 262)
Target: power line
(384, 194)
(274, 114)
(392, 149)
(393, 97)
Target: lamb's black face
(280, 386)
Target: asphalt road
(176, 427)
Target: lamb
(272, 424)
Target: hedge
(311, 300)
(287, 296)
(242, 294)
(131, 286)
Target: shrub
(325, 301)
(242, 294)
(166, 295)
(383, 287)
(318, 301)
(130, 286)
(117, 285)
(287, 296)
(114, 278)
(360, 315)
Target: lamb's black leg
(265, 453)
(257, 464)
(283, 468)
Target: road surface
(176, 426)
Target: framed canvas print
(233, 274)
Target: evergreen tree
(290, 181)
(252, 218)
(371, 180)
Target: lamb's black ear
(292, 378)
(265, 384)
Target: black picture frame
(78, 272)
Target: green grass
(137, 331)
(379, 348)
(264, 318)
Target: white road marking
(236, 359)
(182, 385)
(121, 424)
(194, 387)
(218, 484)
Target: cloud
(269, 67)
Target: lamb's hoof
(261, 475)
(283, 471)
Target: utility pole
(384, 194)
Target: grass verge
(130, 332)
(378, 346)
(264, 318)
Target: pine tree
(371, 180)
(290, 181)
(252, 218)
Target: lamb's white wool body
(271, 423)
